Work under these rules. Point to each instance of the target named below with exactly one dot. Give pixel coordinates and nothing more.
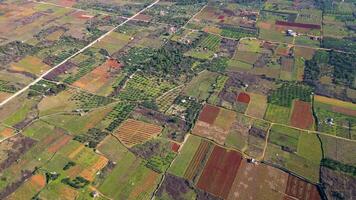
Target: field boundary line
(75, 54)
(300, 129)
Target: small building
(290, 32)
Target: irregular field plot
(144, 87)
(294, 150)
(31, 65)
(218, 128)
(209, 114)
(99, 80)
(200, 86)
(133, 132)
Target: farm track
(73, 55)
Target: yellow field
(133, 132)
(30, 64)
(335, 102)
(113, 42)
(257, 106)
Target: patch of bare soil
(336, 185)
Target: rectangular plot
(197, 160)
(219, 172)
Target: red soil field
(209, 114)
(221, 17)
(302, 116)
(220, 171)
(175, 147)
(113, 63)
(39, 180)
(143, 17)
(301, 190)
(243, 98)
(299, 25)
(343, 110)
(59, 144)
(82, 15)
(67, 3)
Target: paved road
(75, 54)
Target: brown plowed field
(219, 172)
(197, 160)
(133, 132)
(209, 131)
(301, 190)
(299, 25)
(343, 110)
(209, 114)
(258, 182)
(302, 116)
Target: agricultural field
(214, 123)
(177, 99)
(294, 149)
(335, 117)
(132, 132)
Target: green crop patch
(285, 94)
(285, 137)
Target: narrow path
(73, 55)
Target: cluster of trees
(284, 95)
(69, 165)
(338, 166)
(77, 183)
(340, 66)
(14, 51)
(168, 60)
(92, 138)
(345, 44)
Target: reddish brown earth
(302, 116)
(301, 190)
(220, 171)
(175, 147)
(299, 25)
(243, 98)
(209, 114)
(59, 143)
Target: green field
(127, 177)
(201, 85)
(284, 136)
(277, 114)
(143, 87)
(211, 42)
(180, 164)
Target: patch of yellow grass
(335, 102)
